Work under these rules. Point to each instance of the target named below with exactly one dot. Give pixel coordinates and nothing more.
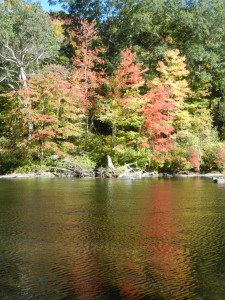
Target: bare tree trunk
(23, 76)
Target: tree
(121, 103)
(105, 14)
(158, 123)
(51, 104)
(172, 72)
(86, 62)
(26, 40)
(153, 26)
(90, 9)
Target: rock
(54, 157)
(28, 175)
(219, 180)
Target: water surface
(112, 239)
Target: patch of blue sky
(47, 7)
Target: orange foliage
(47, 109)
(194, 158)
(158, 126)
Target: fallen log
(126, 171)
(63, 171)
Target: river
(112, 239)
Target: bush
(125, 155)
(214, 158)
(4, 142)
(32, 167)
(9, 162)
(84, 161)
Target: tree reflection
(168, 256)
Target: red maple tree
(158, 121)
(121, 104)
(86, 65)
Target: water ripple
(108, 239)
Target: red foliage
(46, 110)
(158, 116)
(194, 158)
(86, 60)
(127, 75)
(145, 145)
(128, 70)
(220, 155)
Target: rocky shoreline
(28, 175)
(163, 175)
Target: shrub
(10, 161)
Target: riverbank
(52, 175)
(28, 175)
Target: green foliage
(26, 40)
(125, 155)
(45, 112)
(84, 160)
(213, 158)
(221, 119)
(10, 161)
(32, 167)
(99, 147)
(4, 142)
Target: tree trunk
(113, 136)
(86, 99)
(23, 76)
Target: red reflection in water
(87, 285)
(156, 264)
(169, 258)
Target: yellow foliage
(58, 30)
(172, 77)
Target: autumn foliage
(83, 109)
(45, 111)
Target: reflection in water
(112, 239)
(169, 257)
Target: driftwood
(110, 163)
(126, 171)
(72, 169)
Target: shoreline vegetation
(84, 167)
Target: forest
(142, 81)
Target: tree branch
(9, 59)
(10, 50)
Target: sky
(46, 7)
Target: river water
(112, 239)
